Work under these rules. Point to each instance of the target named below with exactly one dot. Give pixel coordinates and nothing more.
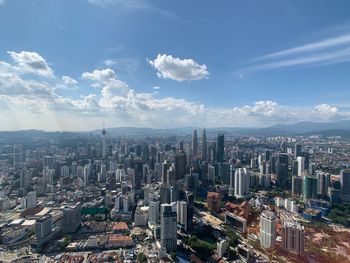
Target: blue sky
(69, 65)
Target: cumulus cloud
(36, 104)
(99, 75)
(169, 67)
(69, 81)
(31, 62)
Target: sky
(72, 65)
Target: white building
(182, 214)
(242, 183)
(301, 165)
(221, 247)
(267, 229)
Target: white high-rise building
(168, 235)
(182, 214)
(31, 199)
(267, 229)
(87, 173)
(221, 247)
(301, 165)
(242, 182)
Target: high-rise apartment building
(293, 237)
(267, 229)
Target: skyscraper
(282, 170)
(190, 209)
(267, 229)
(345, 182)
(242, 182)
(204, 146)
(153, 214)
(323, 182)
(293, 237)
(180, 165)
(194, 142)
(71, 218)
(297, 150)
(301, 165)
(309, 187)
(297, 185)
(213, 201)
(31, 199)
(168, 235)
(18, 156)
(221, 146)
(182, 214)
(103, 141)
(43, 227)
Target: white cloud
(137, 5)
(99, 75)
(69, 81)
(36, 104)
(132, 4)
(31, 62)
(169, 67)
(109, 62)
(156, 88)
(332, 50)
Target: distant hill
(337, 128)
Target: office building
(221, 148)
(323, 182)
(190, 209)
(168, 227)
(297, 150)
(180, 165)
(204, 146)
(194, 142)
(309, 187)
(153, 214)
(297, 184)
(103, 132)
(282, 170)
(345, 182)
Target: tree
(141, 258)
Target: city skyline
(137, 63)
